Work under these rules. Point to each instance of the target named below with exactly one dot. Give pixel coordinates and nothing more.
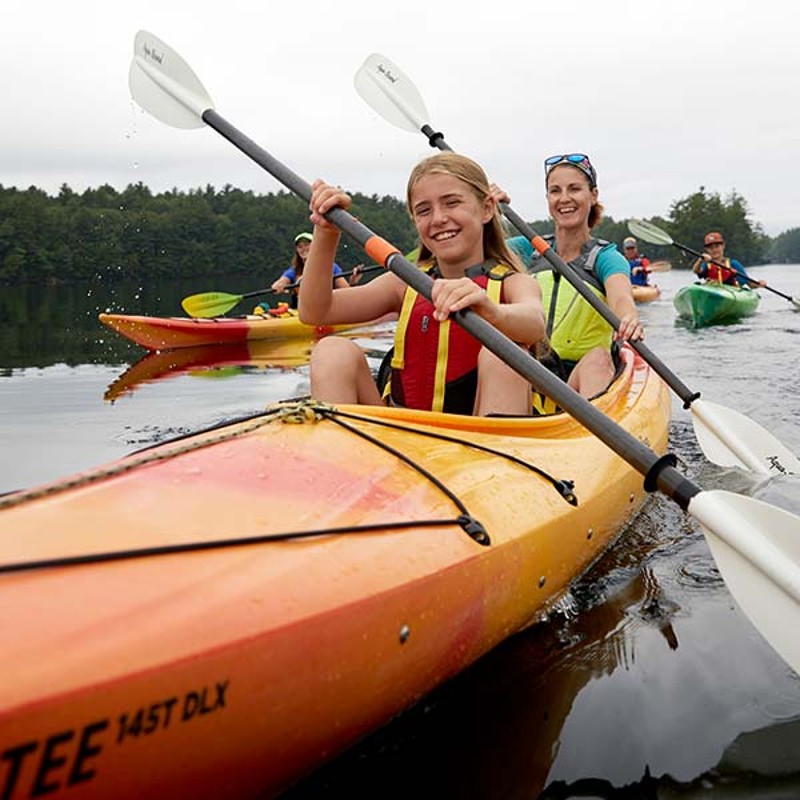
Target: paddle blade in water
(731, 439)
(648, 232)
(158, 77)
(756, 547)
(209, 304)
(387, 90)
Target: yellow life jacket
(573, 326)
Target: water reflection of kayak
(161, 333)
(218, 359)
(201, 358)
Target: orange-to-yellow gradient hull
(164, 333)
(218, 615)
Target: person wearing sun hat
(294, 273)
(714, 266)
(638, 263)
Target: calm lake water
(648, 683)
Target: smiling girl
(437, 365)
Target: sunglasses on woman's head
(579, 160)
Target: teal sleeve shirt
(609, 261)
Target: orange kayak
(163, 333)
(645, 294)
(218, 615)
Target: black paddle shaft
(659, 472)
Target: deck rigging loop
(564, 487)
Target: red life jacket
(715, 273)
(442, 374)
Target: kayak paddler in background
(714, 250)
(580, 337)
(437, 365)
(294, 273)
(638, 263)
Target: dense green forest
(135, 234)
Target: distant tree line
(690, 218)
(135, 234)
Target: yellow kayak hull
(218, 615)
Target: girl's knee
(334, 351)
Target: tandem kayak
(218, 615)
(645, 294)
(712, 303)
(164, 333)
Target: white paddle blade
(649, 232)
(756, 547)
(164, 85)
(731, 439)
(387, 90)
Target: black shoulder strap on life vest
(583, 264)
(491, 268)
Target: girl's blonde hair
(472, 174)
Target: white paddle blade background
(757, 549)
(731, 439)
(158, 77)
(385, 88)
(648, 232)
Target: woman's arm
(620, 301)
(280, 284)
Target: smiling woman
(579, 334)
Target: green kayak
(712, 303)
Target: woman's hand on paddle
(630, 329)
(454, 294)
(499, 195)
(325, 197)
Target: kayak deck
(267, 592)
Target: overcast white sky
(665, 97)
